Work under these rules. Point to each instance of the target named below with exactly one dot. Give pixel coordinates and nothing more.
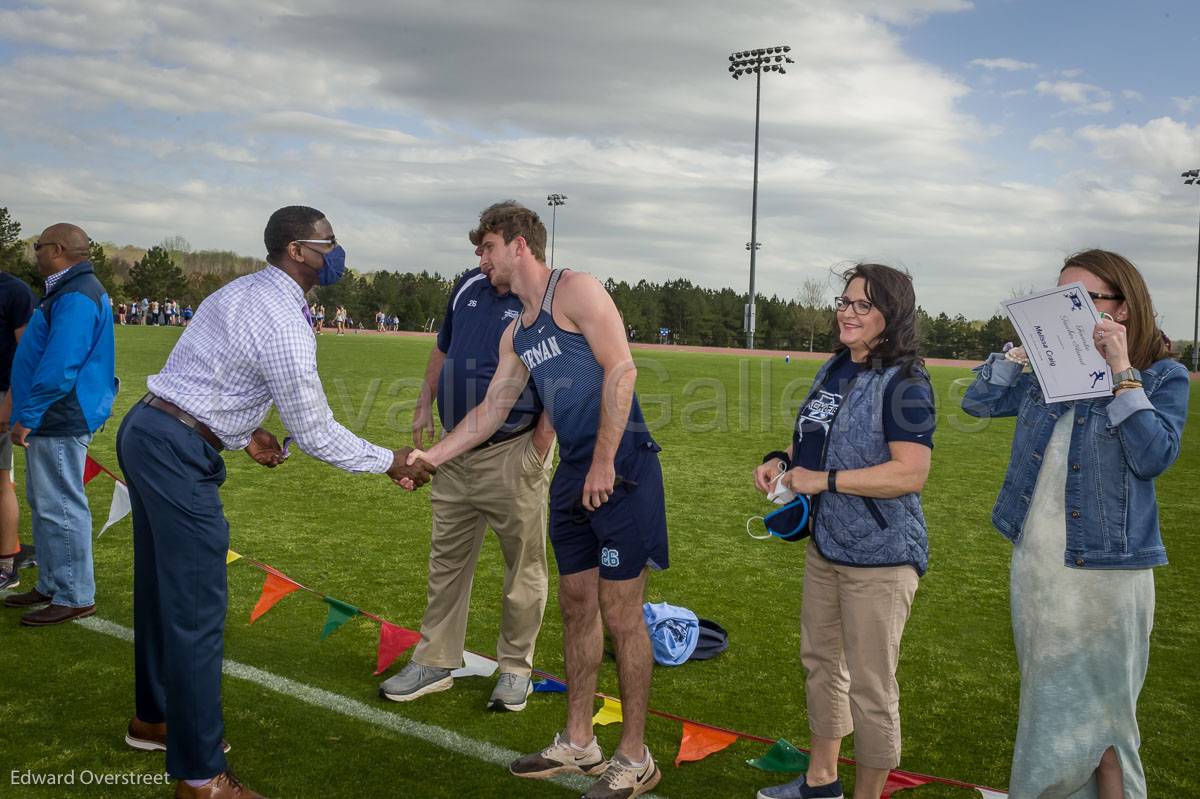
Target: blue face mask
(333, 266)
(789, 523)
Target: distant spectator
(187, 315)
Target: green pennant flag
(782, 757)
(339, 614)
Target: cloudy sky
(974, 143)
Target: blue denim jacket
(1118, 446)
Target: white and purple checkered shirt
(249, 345)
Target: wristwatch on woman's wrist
(1127, 374)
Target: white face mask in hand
(780, 494)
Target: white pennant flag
(120, 506)
(986, 794)
(476, 666)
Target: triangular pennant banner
(393, 642)
(476, 666)
(609, 712)
(987, 793)
(699, 742)
(898, 781)
(274, 589)
(231, 556)
(782, 757)
(339, 613)
(90, 469)
(549, 686)
(119, 509)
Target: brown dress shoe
(222, 786)
(55, 614)
(26, 600)
(153, 737)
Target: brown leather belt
(174, 411)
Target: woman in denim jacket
(1078, 504)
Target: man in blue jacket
(63, 387)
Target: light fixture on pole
(765, 59)
(757, 245)
(1192, 176)
(554, 200)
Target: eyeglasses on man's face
(37, 245)
(331, 241)
(860, 307)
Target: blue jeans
(62, 520)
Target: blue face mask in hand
(333, 265)
(788, 523)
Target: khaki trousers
(504, 487)
(850, 627)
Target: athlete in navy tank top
(570, 382)
(608, 522)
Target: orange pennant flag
(699, 742)
(393, 642)
(274, 589)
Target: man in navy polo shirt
(501, 484)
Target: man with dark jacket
(63, 385)
(16, 307)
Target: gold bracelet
(1124, 384)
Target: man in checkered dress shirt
(250, 344)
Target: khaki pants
(503, 487)
(850, 627)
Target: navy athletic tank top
(570, 381)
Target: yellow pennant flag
(231, 556)
(609, 713)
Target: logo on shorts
(610, 558)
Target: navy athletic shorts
(621, 537)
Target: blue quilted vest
(865, 531)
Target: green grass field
(69, 690)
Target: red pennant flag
(900, 780)
(90, 469)
(274, 589)
(699, 742)
(393, 642)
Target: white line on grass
(327, 700)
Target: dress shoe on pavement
(222, 786)
(55, 614)
(153, 737)
(28, 599)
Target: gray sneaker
(560, 758)
(510, 693)
(9, 579)
(624, 780)
(800, 789)
(414, 681)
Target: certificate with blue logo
(1055, 327)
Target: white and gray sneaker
(624, 780)
(414, 681)
(560, 757)
(511, 692)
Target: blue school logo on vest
(610, 558)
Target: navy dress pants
(180, 540)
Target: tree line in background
(676, 312)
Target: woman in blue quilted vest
(1078, 504)
(861, 451)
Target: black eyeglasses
(860, 307)
(40, 244)
(579, 514)
(1096, 295)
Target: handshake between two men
(265, 449)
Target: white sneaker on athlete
(624, 780)
(560, 757)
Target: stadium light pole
(1192, 177)
(764, 59)
(554, 200)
